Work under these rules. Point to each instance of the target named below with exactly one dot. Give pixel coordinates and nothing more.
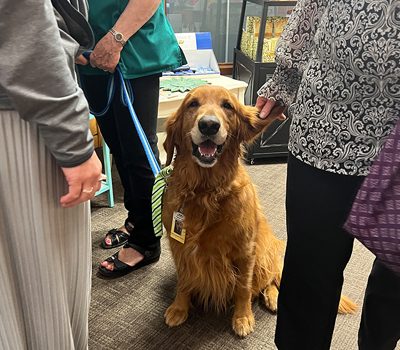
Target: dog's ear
(251, 125)
(173, 139)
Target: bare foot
(128, 256)
(122, 228)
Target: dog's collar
(160, 184)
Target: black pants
(380, 320)
(318, 249)
(120, 134)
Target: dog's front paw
(175, 316)
(243, 325)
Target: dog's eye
(194, 104)
(227, 105)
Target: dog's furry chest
(205, 268)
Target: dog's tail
(346, 306)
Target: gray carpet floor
(128, 313)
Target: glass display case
(261, 23)
(218, 17)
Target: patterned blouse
(340, 62)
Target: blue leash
(126, 100)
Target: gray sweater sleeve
(37, 72)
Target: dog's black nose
(209, 125)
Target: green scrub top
(152, 49)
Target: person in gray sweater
(48, 173)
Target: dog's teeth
(207, 155)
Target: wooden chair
(106, 185)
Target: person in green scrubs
(136, 36)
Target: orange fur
(230, 255)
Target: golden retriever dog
(224, 251)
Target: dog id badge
(177, 231)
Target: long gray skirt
(45, 250)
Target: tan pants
(45, 250)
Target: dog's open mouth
(207, 152)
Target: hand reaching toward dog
(84, 181)
(270, 109)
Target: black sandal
(118, 238)
(120, 268)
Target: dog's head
(209, 122)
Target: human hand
(270, 108)
(81, 60)
(106, 54)
(84, 181)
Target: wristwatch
(118, 36)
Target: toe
(108, 240)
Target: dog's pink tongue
(207, 148)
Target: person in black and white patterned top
(338, 68)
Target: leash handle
(127, 99)
(86, 54)
(110, 90)
(150, 155)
